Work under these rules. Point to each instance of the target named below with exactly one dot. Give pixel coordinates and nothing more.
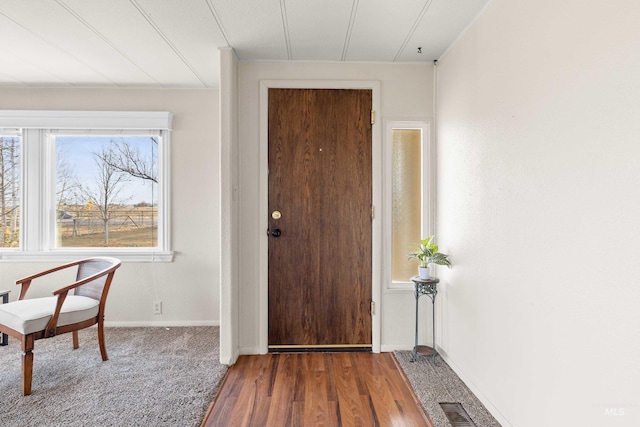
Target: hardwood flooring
(316, 389)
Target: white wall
(189, 286)
(229, 257)
(406, 93)
(539, 205)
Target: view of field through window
(10, 191)
(106, 191)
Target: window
(106, 190)
(409, 151)
(9, 188)
(91, 183)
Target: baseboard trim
(161, 323)
(250, 350)
(390, 348)
(474, 389)
(230, 360)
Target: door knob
(276, 232)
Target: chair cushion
(32, 315)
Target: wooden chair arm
(24, 289)
(50, 329)
(51, 270)
(26, 282)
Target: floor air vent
(456, 415)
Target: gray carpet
(154, 377)
(435, 384)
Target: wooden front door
(319, 218)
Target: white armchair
(29, 320)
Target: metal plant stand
(426, 287)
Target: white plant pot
(424, 272)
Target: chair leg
(103, 349)
(27, 364)
(76, 344)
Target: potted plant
(427, 253)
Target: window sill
(71, 255)
(399, 287)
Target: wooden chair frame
(52, 328)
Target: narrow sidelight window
(411, 193)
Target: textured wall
(538, 172)
(188, 287)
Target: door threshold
(320, 348)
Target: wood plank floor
(316, 389)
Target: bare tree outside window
(130, 160)
(107, 191)
(67, 184)
(9, 191)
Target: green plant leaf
(427, 253)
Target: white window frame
(427, 197)
(38, 206)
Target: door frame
(376, 186)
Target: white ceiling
(173, 43)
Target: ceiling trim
(412, 30)
(104, 38)
(347, 40)
(167, 41)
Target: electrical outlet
(157, 307)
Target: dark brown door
(319, 218)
